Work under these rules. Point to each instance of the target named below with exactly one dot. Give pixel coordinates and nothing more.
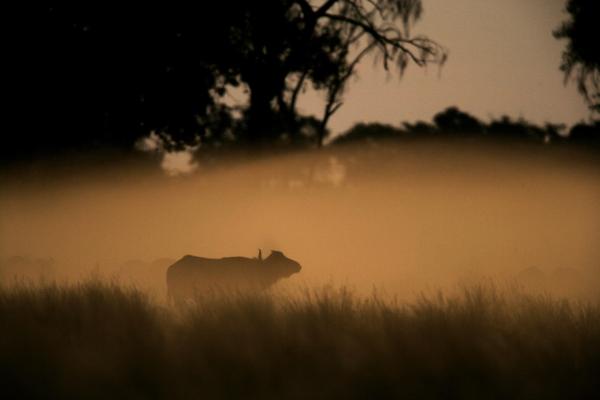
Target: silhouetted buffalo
(191, 274)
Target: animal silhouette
(192, 274)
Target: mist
(399, 218)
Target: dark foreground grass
(100, 340)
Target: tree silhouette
(364, 27)
(277, 47)
(586, 134)
(581, 57)
(369, 132)
(89, 76)
(93, 76)
(453, 120)
(455, 123)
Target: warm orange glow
(402, 218)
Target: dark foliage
(89, 76)
(586, 134)
(454, 123)
(93, 76)
(582, 56)
(368, 132)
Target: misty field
(95, 339)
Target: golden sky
(503, 59)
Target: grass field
(101, 340)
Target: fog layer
(402, 218)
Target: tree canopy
(94, 75)
(581, 58)
(321, 44)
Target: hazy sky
(503, 60)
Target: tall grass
(101, 340)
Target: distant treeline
(452, 122)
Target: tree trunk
(262, 127)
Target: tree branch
(307, 10)
(325, 7)
(297, 90)
(398, 43)
(310, 13)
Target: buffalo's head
(281, 265)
